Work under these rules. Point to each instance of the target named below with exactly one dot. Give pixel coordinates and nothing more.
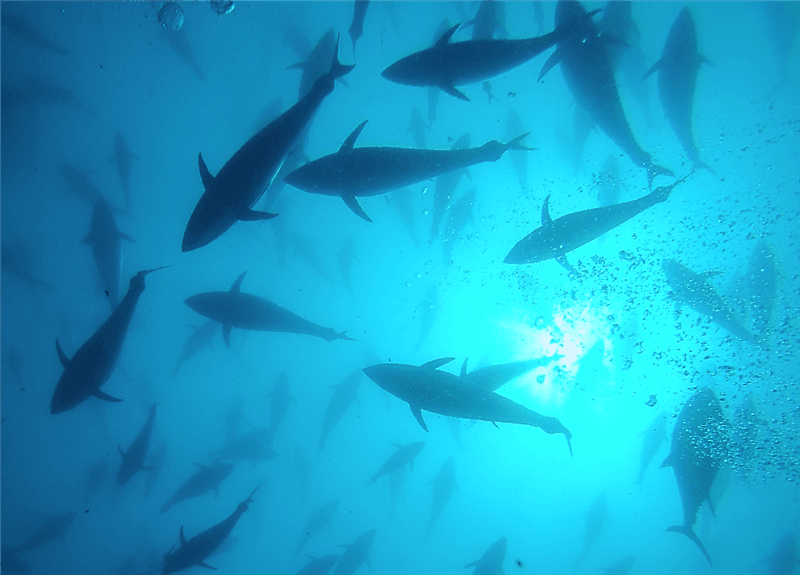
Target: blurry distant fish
(783, 559)
(317, 63)
(198, 548)
(621, 567)
(96, 476)
(496, 376)
(783, 20)
(35, 95)
(427, 388)
(280, 397)
(518, 159)
(159, 463)
(761, 287)
(489, 21)
(12, 562)
(371, 171)
(122, 157)
(301, 470)
(403, 455)
(487, 86)
(609, 184)
(446, 65)
(587, 69)
(233, 419)
(251, 312)
(295, 38)
(417, 128)
(433, 92)
(204, 480)
(106, 242)
(305, 251)
(699, 446)
(14, 367)
(345, 393)
(592, 371)
(201, 338)
(692, 289)
(355, 554)
(571, 147)
(403, 201)
(654, 435)
(133, 459)
(443, 485)
(459, 215)
(491, 563)
(357, 25)
(16, 261)
(397, 479)
(596, 517)
(428, 308)
(179, 42)
(252, 447)
(744, 435)
(538, 16)
(231, 194)
(20, 27)
(555, 238)
(446, 186)
(318, 565)
(677, 78)
(79, 185)
(94, 362)
(317, 522)
(53, 528)
(346, 256)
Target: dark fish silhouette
(198, 548)
(133, 459)
(445, 187)
(106, 242)
(489, 20)
(207, 478)
(433, 92)
(621, 567)
(692, 289)
(94, 362)
(357, 25)
(596, 518)
(179, 42)
(403, 201)
(782, 560)
(587, 69)
(555, 238)
(231, 194)
(699, 446)
(677, 78)
(53, 528)
(96, 476)
(345, 393)
(252, 446)
(459, 215)
(122, 157)
(198, 340)
(427, 388)
(20, 27)
(403, 455)
(443, 485)
(319, 565)
(280, 398)
(654, 435)
(79, 184)
(491, 562)
(355, 554)
(494, 377)
(354, 172)
(417, 127)
(251, 312)
(317, 522)
(11, 561)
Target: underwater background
(77, 77)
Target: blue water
(115, 71)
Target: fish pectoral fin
(453, 91)
(226, 335)
(546, 219)
(256, 216)
(711, 506)
(126, 237)
(445, 38)
(437, 363)
(703, 60)
(418, 415)
(554, 59)
(104, 396)
(122, 453)
(205, 175)
(472, 564)
(350, 141)
(61, 355)
(206, 565)
(463, 372)
(562, 259)
(495, 424)
(181, 536)
(352, 203)
(654, 68)
(669, 461)
(237, 285)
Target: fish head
(207, 222)
(386, 376)
(69, 394)
(405, 71)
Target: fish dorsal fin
(437, 363)
(418, 415)
(205, 175)
(554, 59)
(464, 368)
(546, 219)
(104, 396)
(123, 236)
(206, 565)
(121, 452)
(61, 355)
(237, 285)
(453, 91)
(445, 38)
(669, 461)
(654, 68)
(183, 539)
(350, 141)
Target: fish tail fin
(654, 170)
(699, 165)
(337, 68)
(515, 144)
(343, 335)
(686, 530)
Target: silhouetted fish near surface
(94, 362)
(207, 478)
(354, 172)
(427, 388)
(122, 157)
(11, 561)
(783, 559)
(494, 377)
(555, 238)
(357, 25)
(345, 393)
(355, 554)
(491, 562)
(106, 242)
(417, 127)
(53, 528)
(251, 446)
(198, 340)
(231, 194)
(20, 27)
(677, 79)
(699, 446)
(318, 565)
(403, 455)
(459, 215)
(198, 548)
(489, 20)
(445, 187)
(133, 459)
(304, 250)
(587, 69)
(251, 312)
(692, 289)
(654, 436)
(443, 485)
(317, 522)
(433, 92)
(596, 518)
(621, 567)
(446, 65)
(79, 184)
(317, 62)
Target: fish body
(133, 459)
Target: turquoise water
(627, 362)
